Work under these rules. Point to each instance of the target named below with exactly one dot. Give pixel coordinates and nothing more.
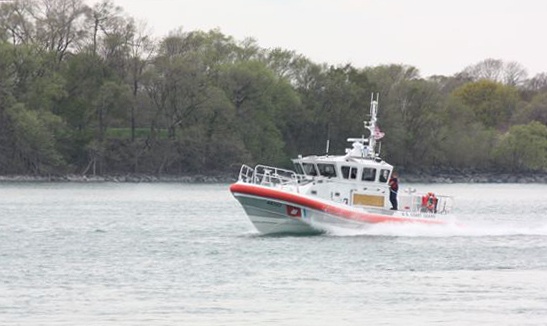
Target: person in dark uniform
(393, 189)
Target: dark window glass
(309, 169)
(298, 168)
(327, 170)
(353, 173)
(345, 172)
(369, 174)
(349, 172)
(384, 175)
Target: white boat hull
(270, 217)
(278, 211)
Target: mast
(365, 147)
(371, 125)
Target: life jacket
(394, 184)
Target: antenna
(328, 139)
(374, 135)
(366, 147)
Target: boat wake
(469, 229)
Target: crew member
(393, 189)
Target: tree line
(88, 90)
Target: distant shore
(474, 178)
(228, 178)
(130, 178)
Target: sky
(439, 37)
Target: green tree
(493, 103)
(413, 124)
(257, 97)
(85, 75)
(54, 26)
(535, 110)
(7, 86)
(16, 22)
(178, 86)
(142, 48)
(385, 78)
(523, 148)
(34, 133)
(463, 142)
(306, 127)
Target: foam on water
(467, 229)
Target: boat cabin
(359, 178)
(355, 170)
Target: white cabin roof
(341, 159)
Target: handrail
(268, 175)
(443, 205)
(271, 175)
(246, 174)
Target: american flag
(378, 134)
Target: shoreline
(485, 177)
(119, 178)
(404, 177)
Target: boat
(334, 191)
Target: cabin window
(309, 169)
(345, 172)
(353, 173)
(298, 168)
(327, 170)
(369, 174)
(349, 172)
(384, 175)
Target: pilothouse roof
(340, 159)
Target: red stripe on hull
(306, 202)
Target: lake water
(179, 254)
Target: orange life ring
(429, 202)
